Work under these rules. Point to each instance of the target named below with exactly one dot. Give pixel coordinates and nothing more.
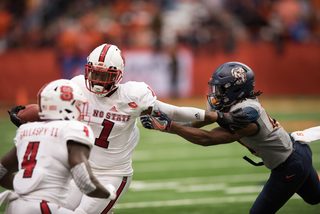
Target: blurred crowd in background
(83, 24)
(75, 27)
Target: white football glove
(112, 191)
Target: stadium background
(174, 46)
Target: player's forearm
(193, 135)
(209, 118)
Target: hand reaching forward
(159, 122)
(225, 120)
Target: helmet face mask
(215, 94)
(62, 100)
(102, 80)
(104, 69)
(230, 82)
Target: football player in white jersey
(113, 110)
(48, 154)
(232, 87)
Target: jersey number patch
(102, 141)
(29, 159)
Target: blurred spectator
(76, 26)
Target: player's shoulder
(248, 103)
(134, 84)
(136, 88)
(250, 107)
(78, 131)
(79, 80)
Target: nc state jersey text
(111, 116)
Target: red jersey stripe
(44, 207)
(123, 184)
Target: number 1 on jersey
(102, 141)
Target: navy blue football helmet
(230, 82)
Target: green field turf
(173, 176)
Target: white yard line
(183, 202)
(210, 181)
(179, 165)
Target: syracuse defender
(231, 87)
(114, 109)
(47, 154)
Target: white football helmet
(62, 99)
(104, 69)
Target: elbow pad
(82, 179)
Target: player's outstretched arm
(225, 120)
(82, 174)
(201, 137)
(8, 166)
(307, 136)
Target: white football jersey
(44, 170)
(113, 120)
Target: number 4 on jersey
(29, 159)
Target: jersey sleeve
(147, 96)
(252, 108)
(252, 113)
(79, 132)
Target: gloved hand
(146, 122)
(13, 115)
(161, 121)
(232, 119)
(112, 190)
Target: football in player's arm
(48, 154)
(114, 109)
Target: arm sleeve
(180, 114)
(308, 135)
